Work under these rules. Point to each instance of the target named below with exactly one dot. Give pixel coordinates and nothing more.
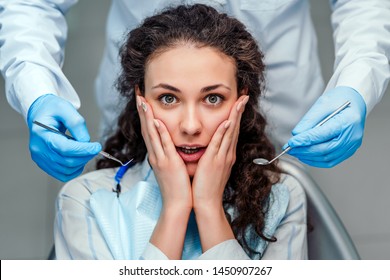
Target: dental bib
(127, 220)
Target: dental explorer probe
(107, 155)
(263, 161)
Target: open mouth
(191, 154)
(189, 150)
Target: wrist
(208, 214)
(173, 207)
(209, 208)
(34, 107)
(215, 218)
(175, 211)
(170, 230)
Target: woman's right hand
(169, 168)
(174, 182)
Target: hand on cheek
(214, 168)
(169, 168)
(210, 179)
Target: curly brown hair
(249, 185)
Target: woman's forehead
(187, 62)
(188, 48)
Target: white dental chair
(329, 239)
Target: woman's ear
(244, 91)
(137, 91)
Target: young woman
(192, 78)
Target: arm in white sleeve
(291, 234)
(153, 253)
(226, 250)
(32, 40)
(361, 34)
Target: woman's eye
(168, 99)
(213, 99)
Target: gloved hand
(58, 156)
(338, 138)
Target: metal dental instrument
(107, 155)
(263, 161)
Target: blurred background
(358, 188)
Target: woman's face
(191, 90)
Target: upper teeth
(189, 150)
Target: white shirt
(77, 234)
(33, 36)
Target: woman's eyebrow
(213, 87)
(166, 86)
(203, 90)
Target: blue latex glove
(338, 138)
(58, 156)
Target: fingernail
(242, 103)
(246, 99)
(239, 106)
(227, 124)
(144, 107)
(138, 99)
(156, 123)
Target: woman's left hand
(211, 175)
(214, 167)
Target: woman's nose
(190, 123)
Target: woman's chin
(191, 168)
